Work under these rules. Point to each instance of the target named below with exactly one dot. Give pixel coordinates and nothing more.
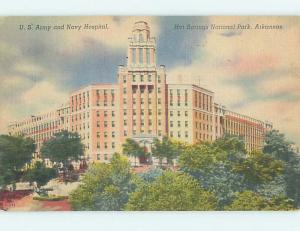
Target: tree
(212, 165)
(64, 147)
(277, 146)
(132, 148)
(250, 201)
(259, 168)
(105, 186)
(40, 174)
(150, 175)
(172, 191)
(15, 152)
(166, 149)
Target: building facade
(142, 106)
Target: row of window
(141, 58)
(142, 90)
(203, 116)
(80, 116)
(113, 145)
(142, 101)
(105, 156)
(40, 127)
(178, 113)
(186, 123)
(203, 136)
(203, 126)
(141, 78)
(172, 134)
(203, 101)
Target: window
(124, 79)
(125, 133)
(105, 157)
(105, 145)
(125, 112)
(142, 78)
(113, 145)
(133, 78)
(140, 55)
(159, 101)
(178, 123)
(149, 78)
(124, 90)
(98, 134)
(98, 145)
(98, 157)
(134, 111)
(148, 56)
(159, 122)
(124, 101)
(105, 113)
(105, 123)
(158, 90)
(178, 134)
(186, 113)
(158, 79)
(98, 124)
(186, 123)
(171, 133)
(105, 134)
(186, 134)
(125, 122)
(149, 101)
(171, 113)
(171, 123)
(113, 124)
(112, 113)
(134, 56)
(178, 113)
(113, 134)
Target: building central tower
(143, 89)
(141, 48)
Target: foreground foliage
(172, 191)
(104, 186)
(15, 152)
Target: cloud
(255, 72)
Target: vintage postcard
(162, 113)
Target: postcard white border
(146, 221)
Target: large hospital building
(142, 105)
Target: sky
(255, 72)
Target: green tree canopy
(250, 201)
(133, 148)
(15, 152)
(104, 186)
(277, 146)
(166, 149)
(172, 191)
(64, 147)
(259, 168)
(40, 174)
